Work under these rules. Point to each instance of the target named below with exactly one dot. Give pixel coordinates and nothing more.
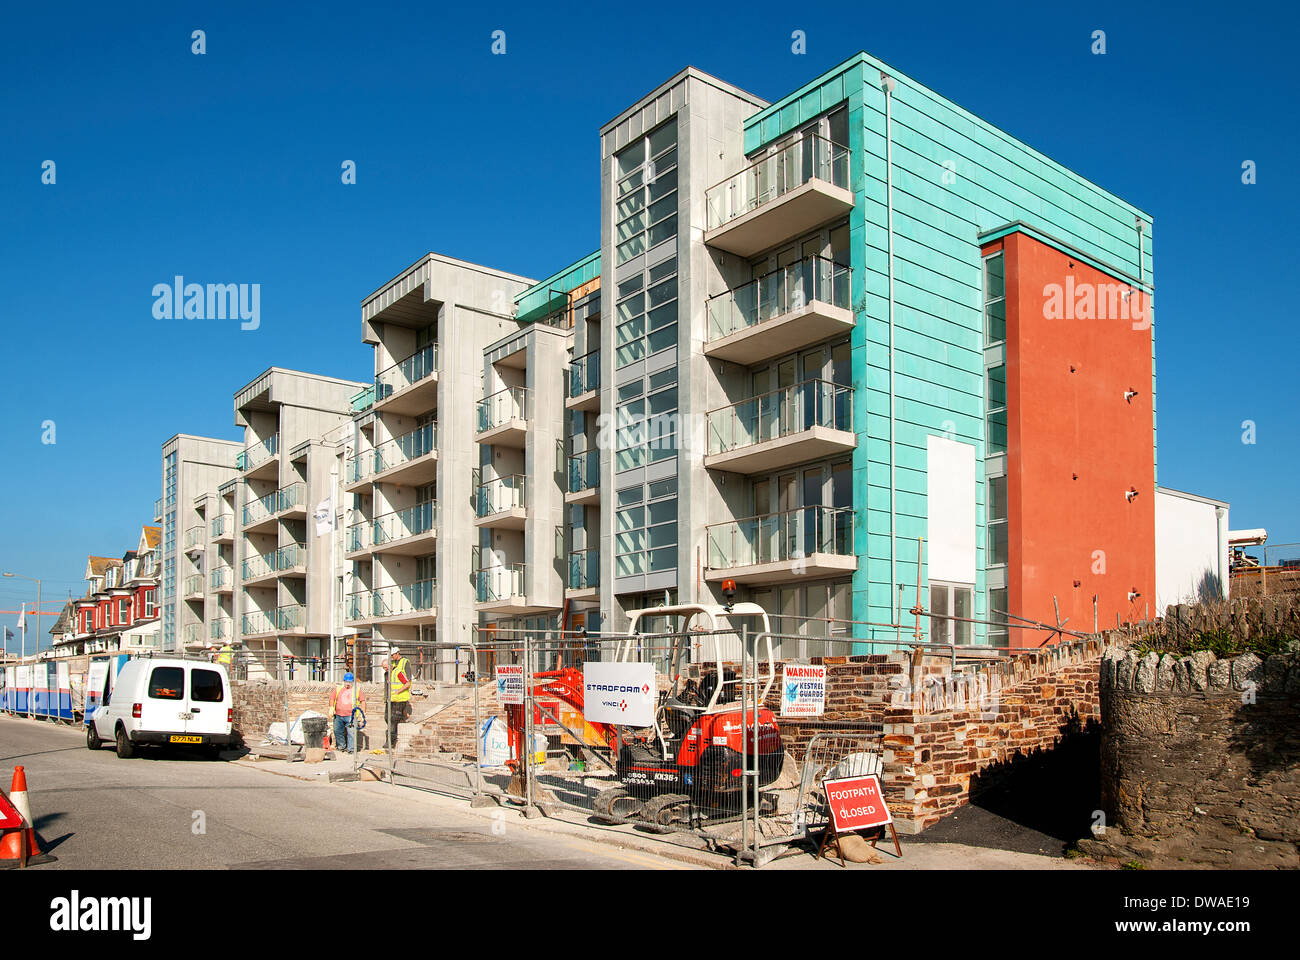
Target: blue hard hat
(348, 678)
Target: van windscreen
(167, 683)
(205, 685)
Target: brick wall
(259, 704)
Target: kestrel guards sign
(510, 683)
(803, 690)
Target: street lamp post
(23, 655)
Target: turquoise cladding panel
(546, 296)
(954, 177)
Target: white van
(163, 700)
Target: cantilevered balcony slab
(584, 401)
(786, 333)
(512, 432)
(417, 398)
(512, 605)
(584, 497)
(411, 473)
(783, 451)
(511, 518)
(813, 566)
(781, 219)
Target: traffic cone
(18, 797)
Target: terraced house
(820, 343)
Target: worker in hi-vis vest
(399, 692)
(226, 654)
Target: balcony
(257, 569)
(222, 528)
(404, 602)
(359, 607)
(259, 459)
(409, 387)
(500, 589)
(260, 514)
(220, 629)
(293, 500)
(501, 503)
(194, 540)
(779, 197)
(584, 478)
(792, 425)
(584, 382)
(503, 417)
(291, 560)
(221, 579)
(158, 510)
(192, 635)
(411, 459)
(358, 538)
(410, 531)
(584, 575)
(780, 547)
(192, 588)
(290, 618)
(780, 312)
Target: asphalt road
(95, 811)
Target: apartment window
(997, 408)
(149, 601)
(124, 610)
(645, 528)
(999, 632)
(995, 300)
(951, 600)
(997, 521)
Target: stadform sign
(622, 693)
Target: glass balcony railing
(359, 606)
(778, 537)
(398, 600)
(584, 569)
(779, 292)
(790, 410)
(262, 507)
(220, 628)
(192, 634)
(584, 374)
(401, 524)
(222, 525)
(158, 510)
(291, 616)
(810, 157)
(359, 467)
(500, 582)
(250, 457)
(290, 556)
(358, 536)
(584, 471)
(219, 577)
(193, 584)
(288, 617)
(512, 403)
(363, 400)
(194, 537)
(411, 446)
(411, 370)
(294, 495)
(502, 493)
(258, 565)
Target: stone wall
(259, 703)
(1200, 762)
(1248, 618)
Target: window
(167, 683)
(124, 610)
(997, 521)
(206, 686)
(997, 408)
(645, 531)
(995, 302)
(998, 600)
(150, 598)
(948, 600)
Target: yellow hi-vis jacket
(399, 676)
(224, 656)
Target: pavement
(98, 812)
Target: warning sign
(510, 683)
(856, 803)
(803, 690)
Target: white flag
(22, 617)
(324, 516)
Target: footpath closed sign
(803, 690)
(622, 693)
(856, 803)
(510, 683)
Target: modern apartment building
(286, 583)
(196, 552)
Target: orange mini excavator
(690, 761)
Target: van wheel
(92, 739)
(125, 750)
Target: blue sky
(226, 168)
